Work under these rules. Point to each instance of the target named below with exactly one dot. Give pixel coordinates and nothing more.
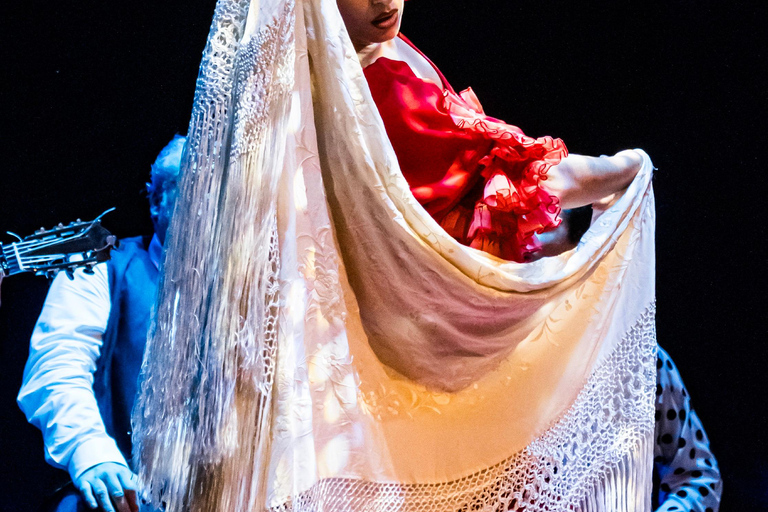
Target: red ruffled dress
(476, 175)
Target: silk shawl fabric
(321, 343)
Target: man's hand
(109, 486)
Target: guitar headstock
(48, 251)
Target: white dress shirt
(57, 389)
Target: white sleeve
(57, 389)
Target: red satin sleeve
(477, 176)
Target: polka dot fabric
(686, 476)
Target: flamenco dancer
(352, 315)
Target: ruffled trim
(513, 206)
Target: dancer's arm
(580, 180)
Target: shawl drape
(320, 343)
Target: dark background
(93, 90)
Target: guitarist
(85, 354)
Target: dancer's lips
(385, 20)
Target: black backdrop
(93, 90)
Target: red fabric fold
(476, 175)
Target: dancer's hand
(108, 486)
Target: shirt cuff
(93, 451)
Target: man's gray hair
(162, 188)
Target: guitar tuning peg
(88, 270)
(70, 274)
(50, 274)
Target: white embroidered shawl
(321, 343)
